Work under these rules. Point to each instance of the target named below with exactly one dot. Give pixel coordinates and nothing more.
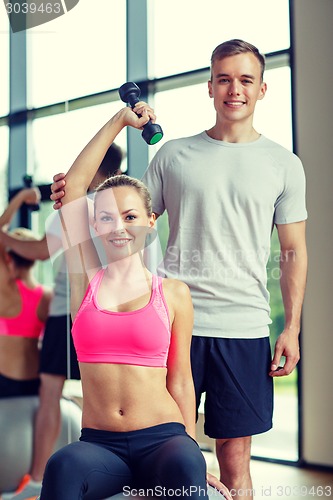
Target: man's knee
(234, 452)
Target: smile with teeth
(236, 104)
(119, 242)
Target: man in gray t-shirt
(224, 190)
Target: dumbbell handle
(129, 92)
(27, 179)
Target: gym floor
(275, 482)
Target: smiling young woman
(132, 332)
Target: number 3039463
(33, 8)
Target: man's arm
(293, 266)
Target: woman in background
(24, 305)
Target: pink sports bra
(140, 337)
(26, 323)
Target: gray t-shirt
(60, 304)
(222, 200)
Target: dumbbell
(28, 183)
(129, 92)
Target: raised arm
(83, 170)
(39, 249)
(81, 255)
(29, 196)
(293, 266)
(94, 152)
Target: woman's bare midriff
(122, 398)
(19, 357)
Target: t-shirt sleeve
(291, 204)
(53, 224)
(153, 179)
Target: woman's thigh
(176, 465)
(86, 471)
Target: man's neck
(233, 133)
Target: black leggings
(163, 458)
(10, 388)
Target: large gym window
(80, 53)
(58, 139)
(188, 31)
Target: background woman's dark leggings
(163, 458)
(10, 387)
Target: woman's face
(121, 221)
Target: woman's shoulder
(176, 288)
(45, 302)
(47, 292)
(178, 297)
(4, 269)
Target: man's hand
(220, 487)
(286, 345)
(57, 188)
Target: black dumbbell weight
(129, 92)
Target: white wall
(314, 114)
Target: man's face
(236, 87)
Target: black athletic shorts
(239, 392)
(10, 388)
(58, 356)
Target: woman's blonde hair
(125, 180)
(24, 234)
